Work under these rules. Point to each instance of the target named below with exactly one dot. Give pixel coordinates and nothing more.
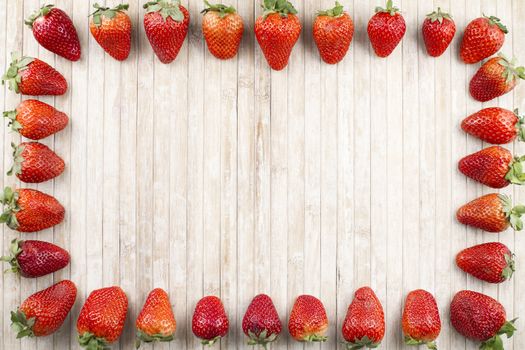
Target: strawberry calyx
(512, 214)
(520, 125)
(91, 342)
(107, 12)
(281, 7)
(509, 270)
(493, 20)
(390, 8)
(412, 341)
(210, 342)
(438, 16)
(14, 250)
(262, 339)
(511, 72)
(9, 199)
(166, 8)
(221, 9)
(335, 12)
(362, 343)
(12, 76)
(22, 325)
(17, 160)
(315, 338)
(13, 123)
(143, 337)
(515, 175)
(41, 12)
(496, 343)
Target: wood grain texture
(208, 177)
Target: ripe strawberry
(421, 321)
(386, 29)
(364, 325)
(36, 120)
(438, 31)
(54, 30)
(495, 125)
(480, 318)
(30, 76)
(492, 213)
(483, 37)
(44, 312)
(102, 318)
(210, 322)
(490, 262)
(261, 322)
(494, 167)
(34, 162)
(222, 28)
(308, 321)
(30, 210)
(35, 258)
(156, 321)
(111, 28)
(277, 31)
(166, 23)
(333, 32)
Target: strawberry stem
(91, 342)
(509, 270)
(515, 175)
(17, 160)
(223, 10)
(13, 123)
(493, 20)
(15, 250)
(520, 126)
(143, 337)
(513, 215)
(362, 343)
(22, 325)
(9, 198)
(438, 16)
(166, 8)
(282, 7)
(12, 76)
(390, 8)
(263, 339)
(337, 11)
(106, 12)
(41, 12)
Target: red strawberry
(222, 28)
(34, 162)
(36, 120)
(44, 312)
(421, 321)
(490, 262)
(438, 31)
(30, 210)
(35, 258)
(102, 318)
(277, 31)
(364, 325)
(480, 318)
(308, 321)
(386, 29)
(494, 167)
(30, 76)
(166, 23)
(210, 322)
(111, 28)
(495, 125)
(492, 213)
(156, 321)
(261, 322)
(333, 33)
(54, 30)
(483, 37)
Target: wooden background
(208, 177)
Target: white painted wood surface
(208, 177)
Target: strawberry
(36, 120)
(54, 30)
(210, 322)
(166, 23)
(481, 318)
(492, 213)
(156, 321)
(261, 322)
(30, 210)
(386, 29)
(35, 258)
(308, 321)
(438, 31)
(277, 32)
(30, 76)
(222, 28)
(483, 37)
(364, 324)
(495, 78)
(102, 318)
(494, 167)
(111, 28)
(490, 262)
(44, 312)
(421, 322)
(333, 32)
(34, 162)
(495, 125)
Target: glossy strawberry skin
(488, 166)
(421, 322)
(49, 308)
(386, 32)
(103, 315)
(40, 79)
(333, 36)
(494, 125)
(39, 163)
(156, 321)
(261, 321)
(365, 318)
(481, 40)
(485, 213)
(277, 35)
(308, 320)
(113, 34)
(223, 35)
(210, 321)
(438, 35)
(489, 262)
(36, 120)
(489, 81)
